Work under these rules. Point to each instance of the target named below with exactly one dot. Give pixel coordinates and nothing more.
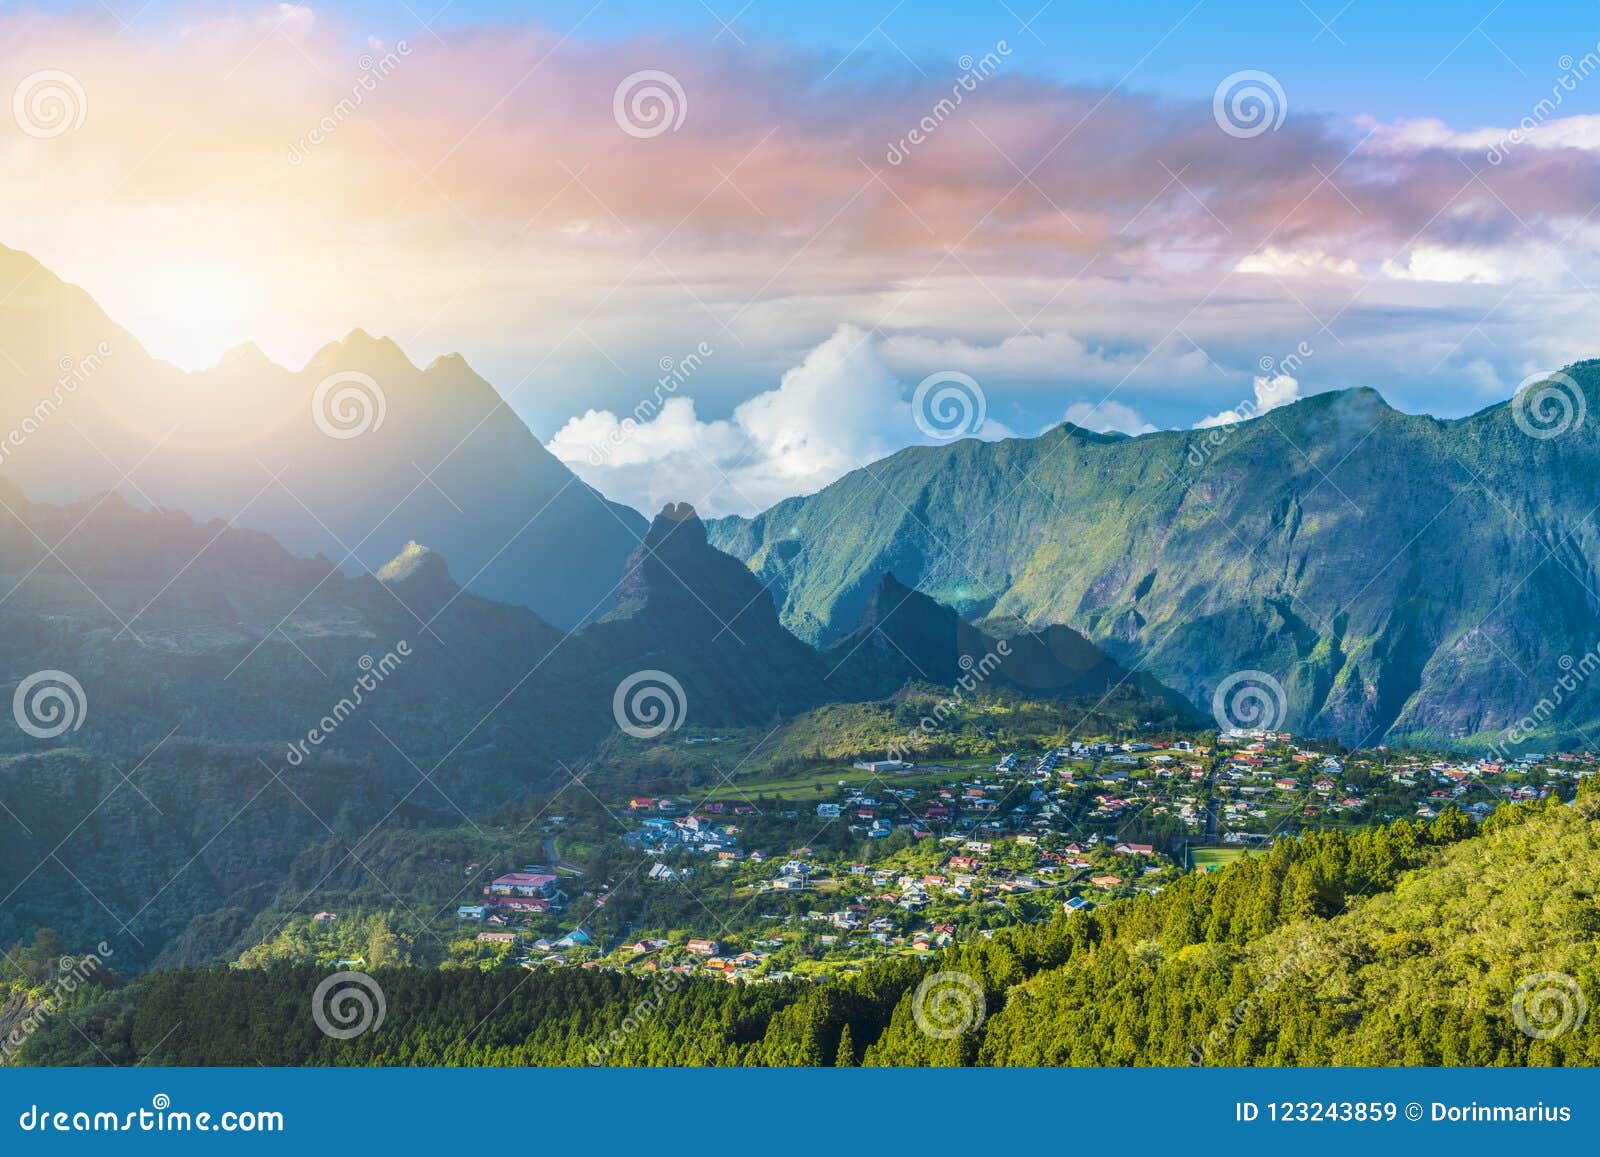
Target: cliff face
(1398, 575)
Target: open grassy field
(1210, 859)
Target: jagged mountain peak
(893, 600)
(359, 350)
(415, 563)
(245, 356)
(450, 365)
(500, 506)
(677, 526)
(1388, 569)
(676, 567)
(903, 630)
(420, 579)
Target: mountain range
(223, 632)
(351, 456)
(1399, 576)
(211, 682)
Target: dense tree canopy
(1403, 944)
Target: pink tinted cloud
(503, 142)
(772, 151)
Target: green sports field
(1210, 859)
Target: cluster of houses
(1060, 823)
(701, 833)
(1267, 774)
(875, 903)
(872, 818)
(577, 938)
(1478, 786)
(530, 892)
(707, 956)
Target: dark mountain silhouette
(352, 456)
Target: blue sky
(1466, 62)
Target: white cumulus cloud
(1296, 263)
(1107, 417)
(839, 409)
(1270, 393)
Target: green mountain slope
(694, 612)
(1426, 974)
(1399, 575)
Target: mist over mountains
(352, 456)
(1401, 577)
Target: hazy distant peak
(452, 373)
(413, 565)
(451, 361)
(247, 355)
(511, 515)
(359, 350)
(26, 283)
(359, 340)
(11, 495)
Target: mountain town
(907, 537)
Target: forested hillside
(1412, 943)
